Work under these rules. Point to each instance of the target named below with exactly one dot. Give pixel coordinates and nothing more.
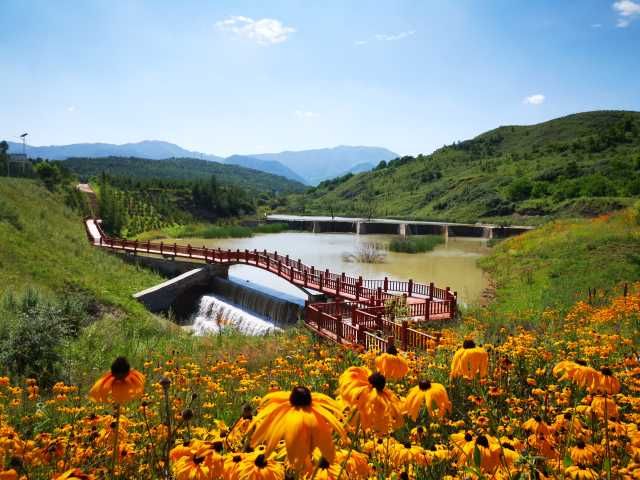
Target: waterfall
(280, 309)
(214, 315)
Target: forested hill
(181, 169)
(582, 164)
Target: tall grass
(423, 243)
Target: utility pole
(24, 151)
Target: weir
(363, 226)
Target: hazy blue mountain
(269, 166)
(324, 163)
(151, 149)
(306, 166)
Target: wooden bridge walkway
(362, 312)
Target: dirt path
(91, 197)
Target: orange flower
(470, 361)
(74, 474)
(392, 365)
(122, 384)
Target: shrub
(419, 244)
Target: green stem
(116, 438)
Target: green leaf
(477, 456)
(567, 461)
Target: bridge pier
(404, 229)
(361, 228)
(487, 233)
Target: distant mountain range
(306, 166)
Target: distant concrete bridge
(364, 226)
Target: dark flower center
(247, 412)
(606, 371)
(198, 459)
(407, 445)
(580, 444)
(404, 476)
(482, 441)
(424, 385)
(469, 344)
(236, 458)
(300, 397)
(378, 381)
(567, 416)
(260, 461)
(217, 446)
(468, 437)
(323, 463)
(581, 362)
(120, 368)
(420, 429)
(537, 418)
(507, 445)
(392, 350)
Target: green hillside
(582, 164)
(182, 169)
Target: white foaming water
(214, 315)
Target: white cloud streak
(265, 31)
(395, 36)
(628, 11)
(537, 99)
(305, 114)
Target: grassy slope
(551, 267)
(50, 251)
(471, 181)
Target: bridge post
(100, 240)
(313, 270)
(391, 340)
(246, 255)
(299, 264)
(360, 336)
(431, 288)
(386, 284)
(255, 255)
(189, 249)
(379, 294)
(343, 277)
(321, 277)
(268, 262)
(148, 245)
(427, 308)
(379, 322)
(305, 278)
(404, 336)
(410, 287)
(286, 260)
(135, 247)
(358, 292)
(338, 286)
(353, 314)
(279, 266)
(161, 247)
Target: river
(453, 264)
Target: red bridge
(364, 312)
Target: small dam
(363, 226)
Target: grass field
(415, 244)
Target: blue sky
(264, 76)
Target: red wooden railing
(362, 307)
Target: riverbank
(543, 273)
(211, 231)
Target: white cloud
(393, 37)
(71, 108)
(360, 42)
(305, 114)
(628, 11)
(266, 31)
(536, 99)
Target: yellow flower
(199, 461)
(605, 382)
(392, 365)
(583, 454)
(470, 361)
(577, 472)
(260, 467)
(377, 406)
(600, 403)
(122, 384)
(433, 395)
(305, 421)
(73, 474)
